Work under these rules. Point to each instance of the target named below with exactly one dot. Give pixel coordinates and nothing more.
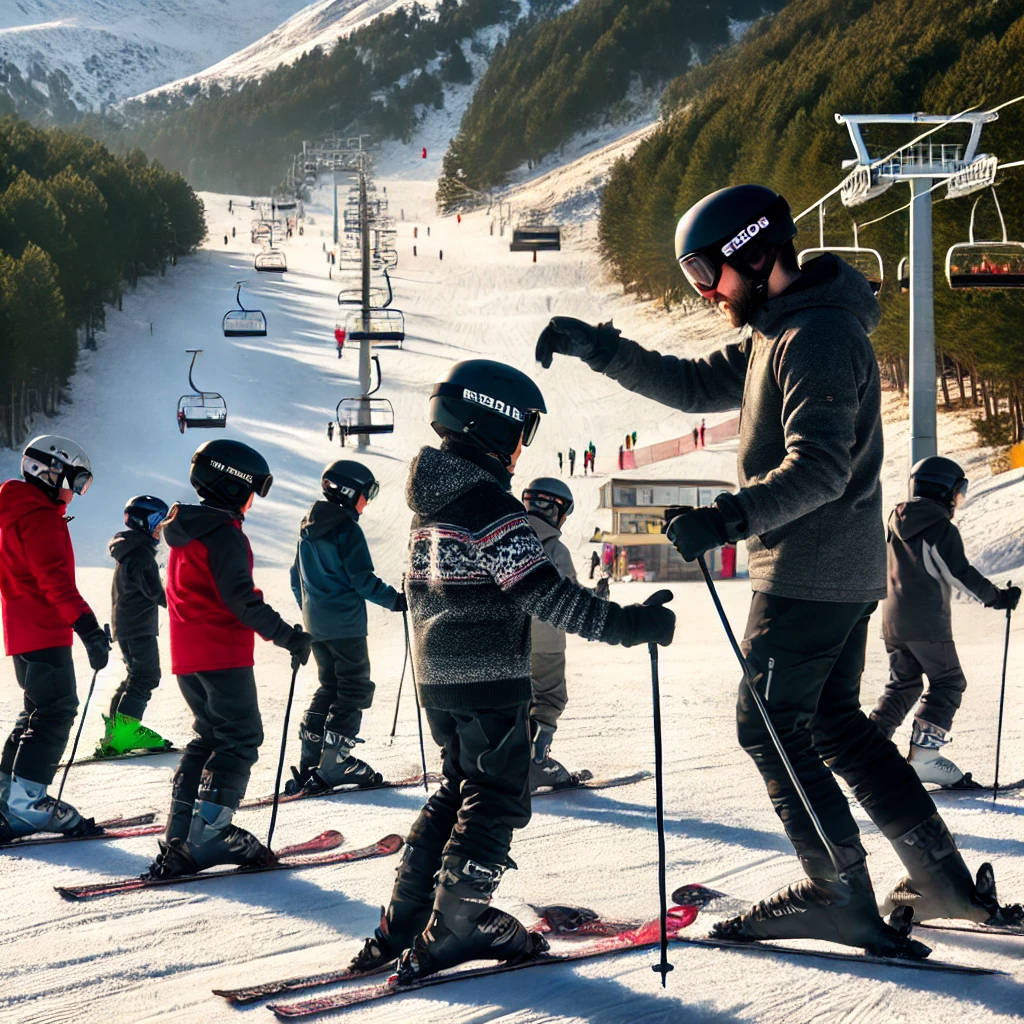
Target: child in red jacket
(215, 612)
(41, 607)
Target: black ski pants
(485, 792)
(40, 734)
(806, 659)
(228, 733)
(345, 690)
(142, 662)
(908, 661)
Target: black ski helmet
(548, 497)
(53, 463)
(938, 478)
(225, 473)
(719, 229)
(344, 482)
(145, 513)
(490, 404)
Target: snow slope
(155, 958)
(112, 49)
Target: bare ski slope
(154, 957)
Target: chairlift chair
(270, 261)
(536, 238)
(988, 265)
(382, 327)
(242, 322)
(201, 408)
(364, 414)
(867, 261)
(352, 295)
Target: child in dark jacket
(41, 607)
(926, 560)
(136, 594)
(477, 574)
(215, 612)
(332, 578)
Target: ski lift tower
(919, 164)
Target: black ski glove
(696, 530)
(96, 641)
(643, 624)
(596, 346)
(401, 604)
(299, 644)
(1006, 599)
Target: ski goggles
(371, 490)
(544, 502)
(530, 419)
(701, 270)
(59, 475)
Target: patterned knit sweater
(477, 574)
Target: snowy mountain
(91, 53)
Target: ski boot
(464, 926)
(930, 766)
(939, 884)
(824, 906)
(121, 733)
(212, 840)
(29, 808)
(412, 900)
(338, 767)
(545, 771)
(311, 735)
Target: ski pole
(280, 760)
(401, 679)
(81, 723)
(779, 749)
(419, 710)
(1002, 697)
(662, 968)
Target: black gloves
(401, 603)
(644, 624)
(298, 643)
(696, 530)
(1006, 599)
(596, 346)
(97, 643)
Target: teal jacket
(332, 576)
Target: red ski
(115, 828)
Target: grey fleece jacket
(545, 638)
(810, 448)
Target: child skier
(332, 578)
(41, 606)
(477, 573)
(135, 597)
(926, 559)
(215, 612)
(548, 502)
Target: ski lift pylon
(202, 408)
(867, 261)
(242, 322)
(992, 265)
(364, 414)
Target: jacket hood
(126, 541)
(19, 498)
(437, 476)
(827, 282)
(912, 517)
(544, 530)
(186, 523)
(325, 517)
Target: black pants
(807, 658)
(907, 663)
(485, 793)
(142, 660)
(345, 690)
(228, 733)
(40, 734)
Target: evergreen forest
(764, 112)
(77, 225)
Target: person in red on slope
(215, 612)
(41, 607)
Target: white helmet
(51, 463)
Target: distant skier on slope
(215, 612)
(810, 453)
(477, 573)
(41, 606)
(332, 578)
(926, 560)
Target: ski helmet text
(492, 403)
(231, 471)
(744, 236)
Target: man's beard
(739, 308)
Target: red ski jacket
(215, 610)
(37, 571)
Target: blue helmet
(145, 513)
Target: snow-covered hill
(106, 50)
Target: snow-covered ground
(155, 957)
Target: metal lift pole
(365, 344)
(923, 428)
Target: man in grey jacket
(810, 507)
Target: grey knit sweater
(810, 448)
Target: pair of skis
(607, 938)
(114, 828)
